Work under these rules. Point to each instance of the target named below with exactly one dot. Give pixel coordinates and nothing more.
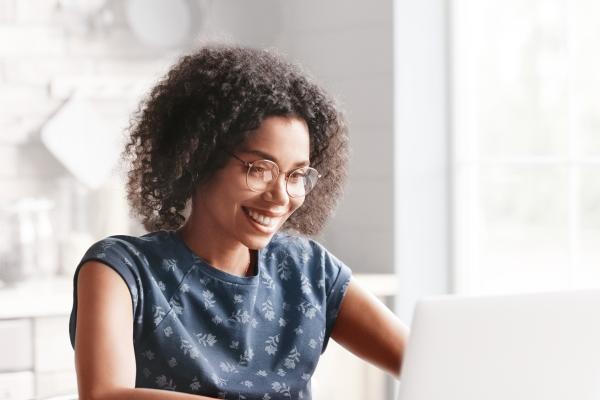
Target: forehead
(284, 138)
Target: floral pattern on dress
(202, 331)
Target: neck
(226, 255)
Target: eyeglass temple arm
(246, 163)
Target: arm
(104, 353)
(367, 328)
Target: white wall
(348, 47)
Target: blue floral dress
(200, 330)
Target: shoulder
(155, 259)
(305, 255)
(295, 245)
(299, 250)
(138, 250)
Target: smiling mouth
(261, 219)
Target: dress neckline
(215, 272)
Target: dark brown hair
(204, 108)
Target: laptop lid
(518, 347)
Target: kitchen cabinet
(36, 356)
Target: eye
(297, 176)
(258, 172)
(262, 170)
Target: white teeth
(261, 219)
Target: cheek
(295, 204)
(231, 189)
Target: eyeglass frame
(249, 164)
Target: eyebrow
(269, 157)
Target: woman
(233, 146)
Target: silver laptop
(515, 347)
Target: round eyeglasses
(262, 173)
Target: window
(526, 145)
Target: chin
(257, 243)
(258, 240)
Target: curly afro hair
(203, 110)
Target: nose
(277, 192)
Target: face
(234, 213)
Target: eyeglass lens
(299, 183)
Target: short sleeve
(337, 277)
(118, 255)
